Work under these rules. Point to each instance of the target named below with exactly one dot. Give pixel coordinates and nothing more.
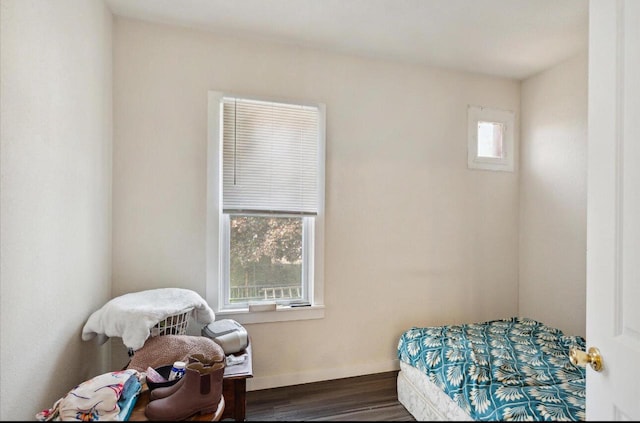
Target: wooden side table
(234, 387)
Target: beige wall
(412, 236)
(56, 139)
(553, 173)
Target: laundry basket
(175, 324)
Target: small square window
(490, 136)
(490, 139)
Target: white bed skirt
(424, 400)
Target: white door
(613, 209)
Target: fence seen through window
(265, 258)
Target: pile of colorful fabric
(109, 396)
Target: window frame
(477, 114)
(217, 234)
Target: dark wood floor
(362, 398)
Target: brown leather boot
(207, 361)
(201, 392)
(193, 358)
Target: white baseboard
(274, 381)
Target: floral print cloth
(509, 369)
(109, 396)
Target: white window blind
(270, 157)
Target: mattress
(424, 400)
(509, 369)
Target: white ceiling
(509, 38)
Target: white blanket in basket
(131, 316)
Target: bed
(508, 369)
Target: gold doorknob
(581, 358)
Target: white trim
(326, 373)
(317, 268)
(281, 314)
(213, 271)
(477, 114)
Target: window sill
(282, 314)
(495, 166)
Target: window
(265, 208)
(490, 139)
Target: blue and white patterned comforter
(511, 369)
